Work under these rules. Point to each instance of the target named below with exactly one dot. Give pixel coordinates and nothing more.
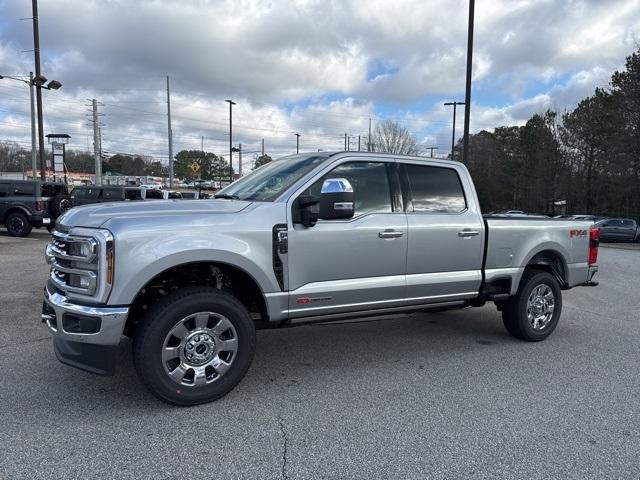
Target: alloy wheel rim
(200, 349)
(16, 225)
(65, 205)
(540, 306)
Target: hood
(97, 214)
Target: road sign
(195, 168)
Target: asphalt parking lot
(441, 395)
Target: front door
(346, 265)
(446, 241)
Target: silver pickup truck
(306, 238)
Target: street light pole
(453, 133)
(231, 104)
(467, 99)
(170, 135)
(297, 143)
(34, 158)
(36, 51)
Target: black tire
(17, 224)
(162, 318)
(515, 311)
(59, 204)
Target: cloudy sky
(320, 68)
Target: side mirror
(337, 199)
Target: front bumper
(84, 337)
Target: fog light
(84, 282)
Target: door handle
(468, 233)
(390, 234)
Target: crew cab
(306, 238)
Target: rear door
(446, 241)
(610, 230)
(627, 230)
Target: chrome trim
(112, 324)
(54, 248)
(468, 233)
(390, 234)
(303, 312)
(90, 290)
(101, 242)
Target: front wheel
(194, 346)
(533, 313)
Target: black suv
(25, 204)
(98, 194)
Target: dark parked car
(618, 230)
(98, 194)
(25, 204)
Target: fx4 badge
(577, 233)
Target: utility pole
(453, 134)
(297, 143)
(369, 139)
(263, 147)
(170, 135)
(240, 159)
(345, 142)
(36, 51)
(231, 104)
(348, 143)
(358, 142)
(467, 99)
(34, 158)
(96, 143)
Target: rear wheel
(18, 224)
(59, 204)
(533, 313)
(194, 346)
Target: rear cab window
(433, 189)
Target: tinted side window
(435, 189)
(4, 189)
(24, 189)
(370, 185)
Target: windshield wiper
(226, 195)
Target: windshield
(269, 181)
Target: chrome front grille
(74, 265)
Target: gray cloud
(301, 66)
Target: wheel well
(218, 275)
(550, 261)
(14, 210)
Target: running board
(376, 312)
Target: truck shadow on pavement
(308, 355)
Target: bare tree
(391, 137)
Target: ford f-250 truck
(305, 238)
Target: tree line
(588, 157)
